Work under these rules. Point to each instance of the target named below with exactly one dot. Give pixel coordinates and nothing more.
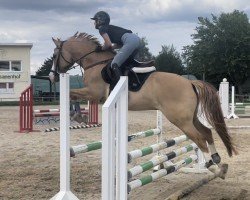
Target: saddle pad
(141, 70)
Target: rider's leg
(72, 110)
(76, 112)
(116, 72)
(131, 42)
(77, 107)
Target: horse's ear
(75, 34)
(57, 42)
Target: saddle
(137, 73)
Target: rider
(116, 37)
(75, 112)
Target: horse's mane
(84, 36)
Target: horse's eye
(54, 56)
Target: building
(43, 90)
(42, 84)
(14, 70)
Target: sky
(161, 22)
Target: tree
(221, 49)
(169, 60)
(144, 54)
(44, 70)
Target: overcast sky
(162, 22)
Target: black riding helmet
(101, 18)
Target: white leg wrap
(212, 149)
(206, 157)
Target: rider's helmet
(101, 18)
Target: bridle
(72, 62)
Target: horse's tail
(211, 107)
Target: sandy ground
(29, 163)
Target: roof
(40, 77)
(16, 44)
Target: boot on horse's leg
(197, 136)
(214, 154)
(216, 159)
(207, 134)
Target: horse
(175, 96)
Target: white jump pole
(224, 96)
(114, 143)
(159, 136)
(159, 125)
(64, 193)
(232, 114)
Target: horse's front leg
(79, 94)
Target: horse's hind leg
(190, 130)
(207, 134)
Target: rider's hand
(98, 49)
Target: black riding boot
(116, 73)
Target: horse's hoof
(223, 171)
(209, 164)
(72, 153)
(216, 158)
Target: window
(11, 85)
(4, 66)
(3, 87)
(10, 66)
(15, 65)
(6, 88)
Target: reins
(77, 60)
(98, 63)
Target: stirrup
(209, 164)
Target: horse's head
(62, 60)
(80, 48)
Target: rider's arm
(107, 42)
(116, 46)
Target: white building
(14, 70)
